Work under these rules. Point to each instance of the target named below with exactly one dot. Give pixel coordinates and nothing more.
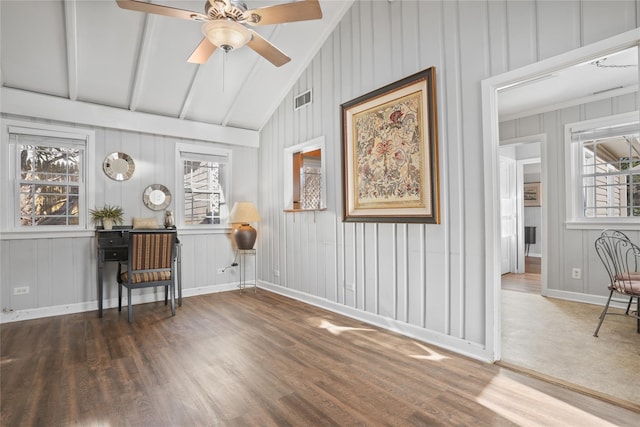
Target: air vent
(302, 100)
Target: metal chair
(150, 264)
(621, 260)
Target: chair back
(621, 259)
(614, 233)
(151, 255)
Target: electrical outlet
(276, 273)
(221, 271)
(576, 273)
(349, 287)
(21, 290)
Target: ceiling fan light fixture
(226, 34)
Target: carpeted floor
(555, 337)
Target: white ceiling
(94, 51)
(614, 74)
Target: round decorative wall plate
(118, 166)
(156, 197)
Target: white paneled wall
(426, 280)
(61, 272)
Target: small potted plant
(108, 216)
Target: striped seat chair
(150, 264)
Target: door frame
(491, 141)
(512, 179)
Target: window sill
(304, 210)
(618, 224)
(190, 230)
(46, 234)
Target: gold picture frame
(390, 153)
(531, 194)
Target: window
(48, 178)
(606, 169)
(204, 173)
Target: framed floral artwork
(390, 153)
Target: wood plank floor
(529, 281)
(261, 359)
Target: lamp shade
(226, 34)
(244, 213)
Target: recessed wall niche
(305, 176)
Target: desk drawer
(114, 240)
(116, 254)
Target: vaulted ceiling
(96, 52)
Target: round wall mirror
(156, 197)
(118, 166)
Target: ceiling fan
(225, 24)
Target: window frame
(194, 150)
(10, 224)
(575, 218)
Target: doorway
(521, 185)
(493, 189)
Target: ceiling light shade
(244, 213)
(225, 34)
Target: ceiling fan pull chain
(224, 65)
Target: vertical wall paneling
(498, 41)
(423, 282)
(454, 170)
(607, 18)
(475, 66)
(376, 270)
(558, 27)
(521, 18)
(405, 288)
(429, 277)
(395, 271)
(383, 53)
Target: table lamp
(243, 213)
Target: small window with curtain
(48, 175)
(606, 165)
(204, 172)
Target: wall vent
(302, 100)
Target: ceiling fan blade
(267, 50)
(140, 6)
(288, 12)
(202, 53)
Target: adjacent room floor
(555, 338)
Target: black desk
(113, 246)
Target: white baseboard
(59, 310)
(457, 345)
(616, 301)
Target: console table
(113, 246)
